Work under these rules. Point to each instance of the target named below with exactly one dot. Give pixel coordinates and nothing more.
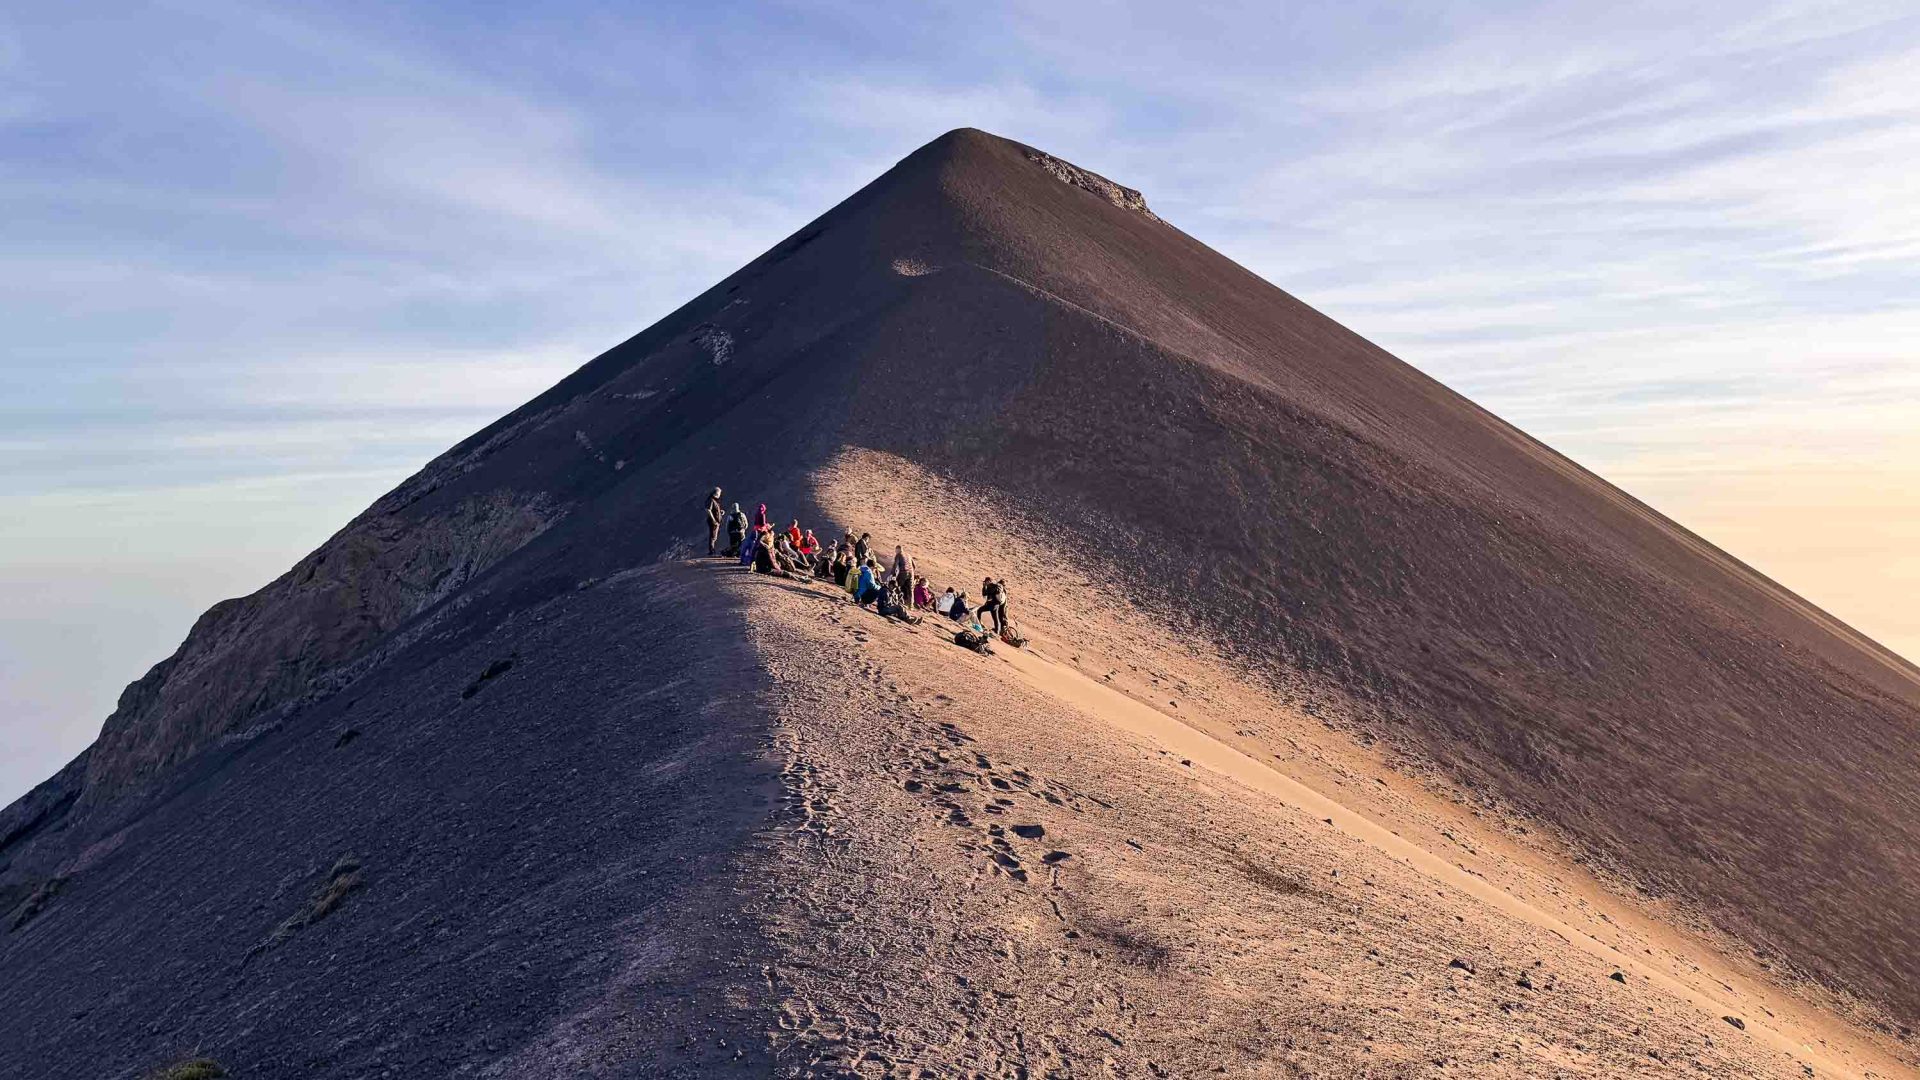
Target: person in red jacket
(793, 534)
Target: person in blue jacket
(867, 590)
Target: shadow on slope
(408, 879)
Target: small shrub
(192, 1069)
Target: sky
(261, 262)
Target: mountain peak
(509, 703)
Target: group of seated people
(895, 590)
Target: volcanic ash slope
(1360, 733)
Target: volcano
(1358, 733)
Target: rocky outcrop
(248, 656)
(1067, 172)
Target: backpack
(979, 643)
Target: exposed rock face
(246, 658)
(1066, 172)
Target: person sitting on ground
(748, 548)
(890, 604)
(960, 612)
(794, 535)
(766, 560)
(789, 557)
(922, 596)
(945, 603)
(993, 601)
(736, 530)
(760, 517)
(809, 544)
(865, 590)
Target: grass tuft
(201, 1068)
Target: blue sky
(263, 261)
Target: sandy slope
(1200, 914)
(1409, 876)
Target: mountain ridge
(1331, 522)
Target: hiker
(922, 595)
(960, 612)
(993, 601)
(902, 571)
(862, 548)
(890, 605)
(715, 517)
(794, 536)
(865, 590)
(767, 560)
(760, 518)
(748, 548)
(823, 565)
(787, 553)
(945, 603)
(809, 544)
(736, 530)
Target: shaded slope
(1240, 466)
(523, 837)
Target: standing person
(862, 548)
(715, 515)
(993, 601)
(760, 518)
(902, 570)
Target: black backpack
(979, 643)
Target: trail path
(1002, 866)
(1205, 751)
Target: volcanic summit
(1357, 732)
